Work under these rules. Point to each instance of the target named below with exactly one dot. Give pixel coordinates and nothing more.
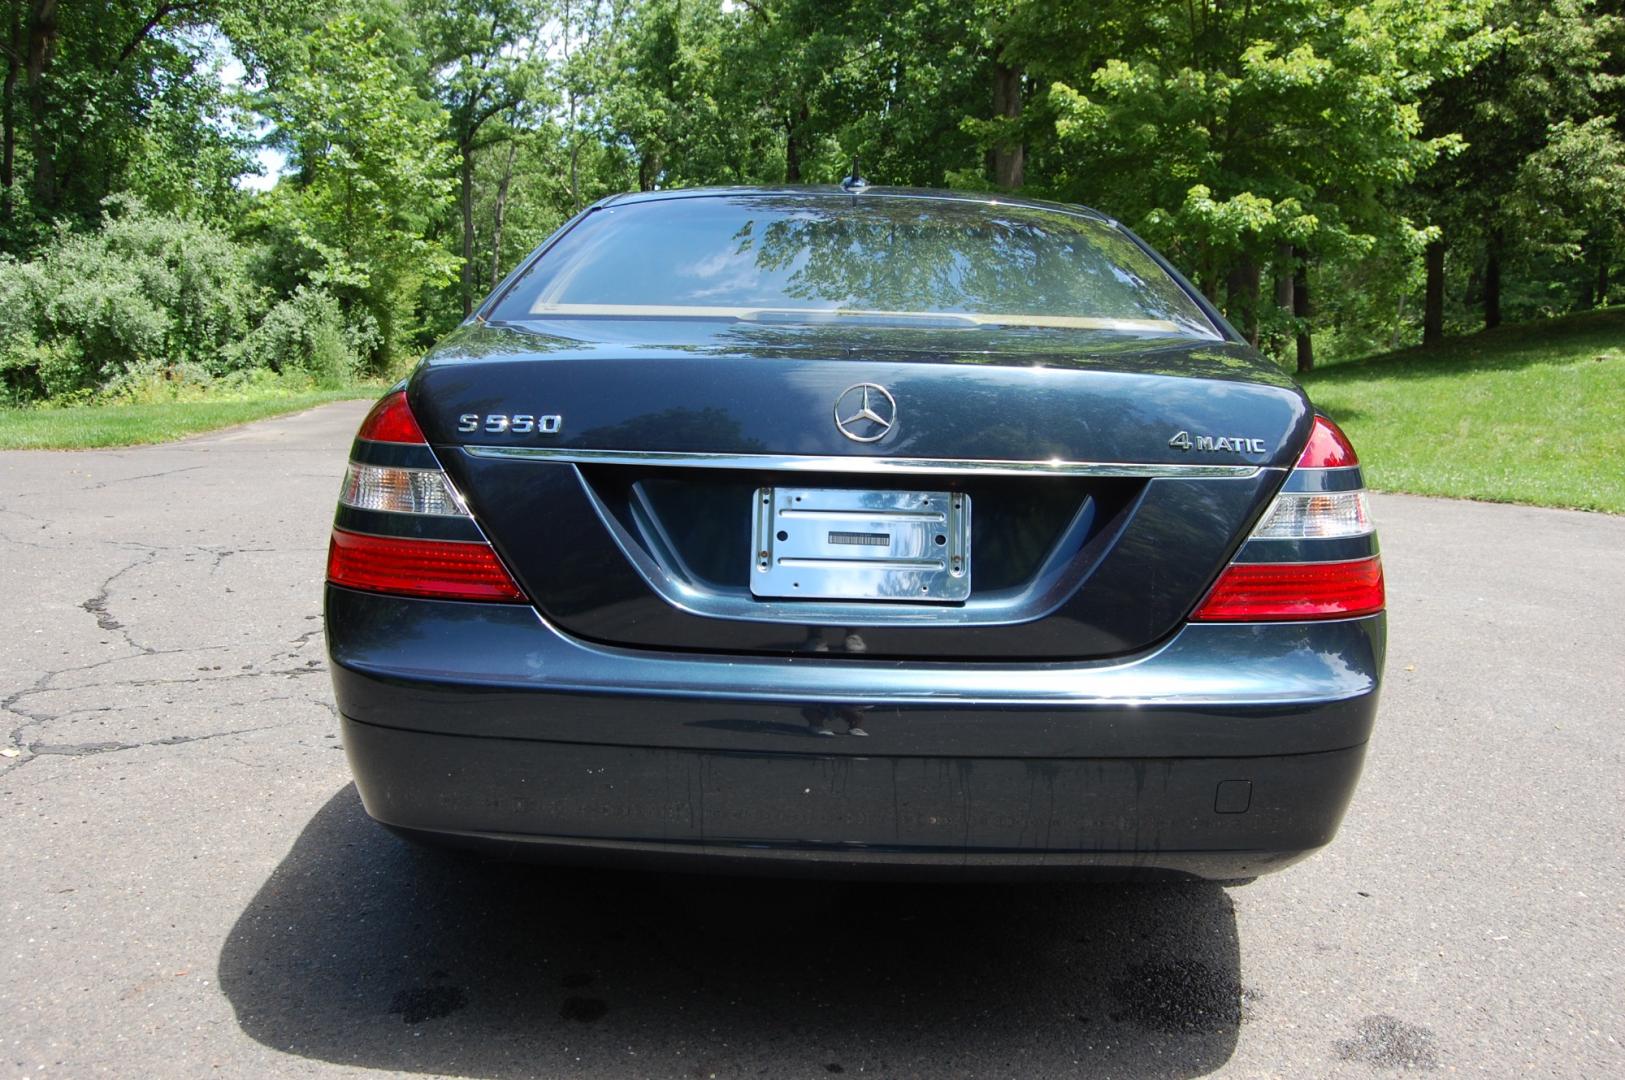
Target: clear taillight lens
(400, 491)
(1320, 516)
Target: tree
(1572, 193)
(372, 177)
(1546, 72)
(1203, 128)
(85, 87)
(481, 66)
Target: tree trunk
(499, 212)
(575, 150)
(1241, 288)
(42, 35)
(1492, 281)
(1283, 277)
(575, 175)
(1301, 310)
(793, 132)
(1008, 157)
(1605, 255)
(466, 198)
(1433, 294)
(8, 144)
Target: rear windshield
(867, 259)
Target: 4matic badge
(1208, 444)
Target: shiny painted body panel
(1089, 405)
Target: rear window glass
(869, 259)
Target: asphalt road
(188, 885)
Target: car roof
(833, 191)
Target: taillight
(1320, 515)
(391, 421)
(1254, 592)
(442, 569)
(1328, 448)
(382, 505)
(1323, 501)
(400, 491)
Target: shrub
(21, 286)
(307, 333)
(153, 305)
(146, 292)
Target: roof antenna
(855, 182)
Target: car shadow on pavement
(363, 950)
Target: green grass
(1533, 413)
(80, 426)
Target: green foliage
(146, 292)
(154, 300)
(1537, 122)
(307, 333)
(374, 177)
(91, 92)
(1226, 135)
(431, 143)
(1571, 191)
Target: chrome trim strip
(855, 464)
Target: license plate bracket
(854, 544)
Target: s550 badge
(519, 423)
(1209, 444)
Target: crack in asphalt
(104, 484)
(28, 739)
(88, 748)
(97, 605)
(40, 720)
(142, 476)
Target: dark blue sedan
(855, 531)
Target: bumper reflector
(439, 569)
(1259, 592)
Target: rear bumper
(1227, 752)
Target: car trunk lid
(1109, 476)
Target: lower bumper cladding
(1221, 818)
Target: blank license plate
(843, 544)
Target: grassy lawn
(126, 425)
(1533, 413)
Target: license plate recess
(851, 544)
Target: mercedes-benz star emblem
(865, 412)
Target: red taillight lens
(1328, 447)
(1260, 592)
(440, 569)
(391, 420)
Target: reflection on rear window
(870, 259)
